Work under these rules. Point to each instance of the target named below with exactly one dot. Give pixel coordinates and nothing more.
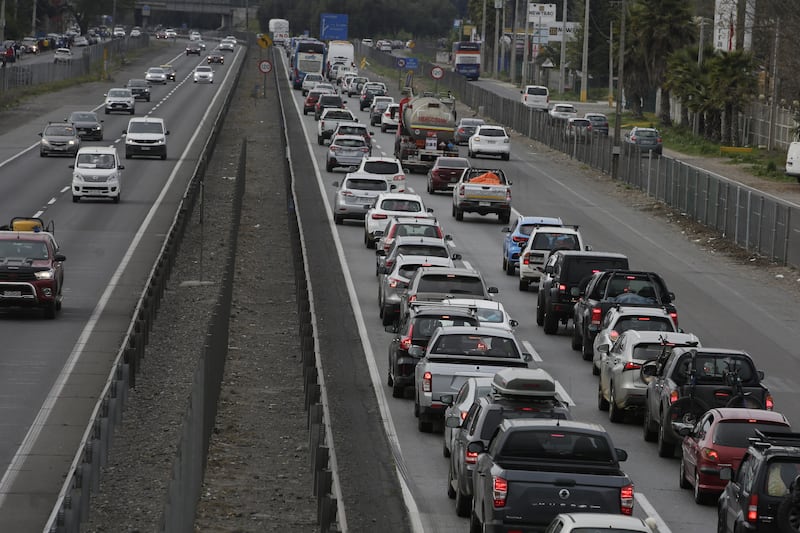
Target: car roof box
(532, 382)
(27, 224)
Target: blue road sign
(333, 27)
(410, 63)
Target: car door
(735, 498)
(610, 365)
(693, 445)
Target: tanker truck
(425, 127)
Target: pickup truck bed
(482, 197)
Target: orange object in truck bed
(488, 178)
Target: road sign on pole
(265, 66)
(437, 73)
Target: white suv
(120, 99)
(146, 136)
(387, 167)
(536, 97)
(542, 241)
(96, 173)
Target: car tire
(702, 497)
(576, 342)
(320, 140)
(682, 482)
(504, 218)
(470, 153)
(389, 378)
(329, 167)
(665, 449)
(127, 155)
(424, 426)
(305, 112)
(451, 492)
(398, 391)
(550, 323)
(649, 433)
(463, 503)
(523, 286)
(42, 154)
(445, 451)
(506, 157)
(539, 313)
(116, 199)
(148, 98)
(475, 525)
(383, 128)
(338, 220)
(602, 403)
(75, 199)
(106, 111)
(163, 156)
(787, 516)
(459, 214)
(587, 350)
(595, 369)
(615, 414)
(50, 310)
(386, 317)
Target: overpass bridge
(193, 13)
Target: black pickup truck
(608, 288)
(534, 469)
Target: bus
(467, 59)
(279, 28)
(308, 58)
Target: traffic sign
(412, 63)
(437, 73)
(265, 41)
(264, 66)
(400, 62)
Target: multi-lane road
(51, 372)
(725, 304)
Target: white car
(171, 33)
(536, 97)
(226, 46)
(194, 36)
(136, 32)
(472, 389)
(620, 319)
(156, 75)
(62, 55)
(80, 40)
(489, 140)
(119, 32)
(310, 81)
(490, 313)
(329, 121)
(96, 173)
(577, 522)
(120, 99)
(388, 205)
(390, 119)
(541, 241)
(388, 167)
(203, 74)
(146, 136)
(563, 112)
(367, 42)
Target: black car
(326, 101)
(193, 49)
(599, 123)
(140, 89)
(89, 126)
(466, 128)
(367, 94)
(415, 329)
(216, 57)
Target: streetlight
(498, 5)
(483, 37)
(585, 64)
(620, 70)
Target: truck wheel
(615, 414)
(475, 525)
(550, 323)
(504, 217)
(424, 426)
(523, 287)
(320, 140)
(459, 214)
(398, 391)
(539, 313)
(648, 431)
(338, 220)
(587, 350)
(576, 341)
(665, 449)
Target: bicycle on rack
(739, 397)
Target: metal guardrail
(758, 222)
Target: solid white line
(377, 382)
(531, 350)
(650, 511)
(18, 461)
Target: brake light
(499, 492)
(439, 232)
(461, 191)
(508, 192)
(460, 130)
(674, 316)
(427, 378)
(630, 365)
(562, 288)
(379, 216)
(673, 397)
(613, 335)
(752, 508)
(626, 500)
(365, 149)
(526, 259)
(347, 193)
(464, 414)
(470, 458)
(322, 124)
(412, 298)
(633, 138)
(769, 402)
(596, 316)
(519, 239)
(710, 454)
(398, 177)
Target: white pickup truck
(482, 191)
(454, 354)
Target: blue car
(515, 239)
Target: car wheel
(504, 218)
(389, 378)
(539, 313)
(701, 497)
(75, 199)
(602, 403)
(386, 317)
(398, 391)
(305, 112)
(787, 516)
(424, 426)
(587, 350)
(42, 153)
(127, 155)
(470, 153)
(459, 214)
(463, 503)
(383, 128)
(648, 431)
(595, 368)
(682, 481)
(116, 199)
(506, 156)
(133, 111)
(475, 525)
(550, 323)
(320, 140)
(50, 310)
(163, 156)
(576, 342)
(338, 219)
(106, 111)
(451, 492)
(615, 414)
(329, 167)
(445, 451)
(148, 98)
(523, 287)
(665, 449)
(510, 268)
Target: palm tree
(733, 83)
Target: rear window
(424, 327)
(736, 432)
(338, 114)
(350, 143)
(581, 123)
(451, 284)
(452, 162)
(713, 368)
(553, 241)
(525, 410)
(581, 267)
(417, 230)
(352, 130)
(423, 249)
(366, 185)
(475, 345)
(648, 351)
(327, 99)
(473, 122)
(492, 132)
(557, 446)
(643, 323)
(646, 133)
(381, 167)
(406, 206)
(537, 91)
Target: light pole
(525, 65)
(33, 20)
(700, 46)
(498, 4)
(562, 82)
(585, 63)
(620, 72)
(483, 36)
(610, 63)
(2, 20)
(514, 43)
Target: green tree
(733, 84)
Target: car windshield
(557, 445)
(537, 91)
(423, 249)
(24, 249)
(366, 185)
(59, 131)
(451, 284)
(492, 132)
(476, 345)
(83, 117)
(119, 93)
(102, 161)
(145, 127)
(407, 206)
(527, 409)
(735, 433)
(381, 167)
(137, 83)
(205, 70)
(424, 326)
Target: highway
(51, 372)
(725, 304)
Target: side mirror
(682, 429)
(72, 166)
(166, 132)
(430, 210)
(588, 247)
(416, 351)
(476, 447)
(455, 257)
(120, 167)
(40, 134)
(760, 375)
(392, 187)
(603, 349)
(527, 357)
(726, 472)
(60, 257)
(380, 251)
(124, 132)
(372, 133)
(548, 269)
(448, 237)
(671, 296)
(622, 455)
(492, 290)
(513, 323)
(452, 422)
(648, 371)
(392, 328)
(446, 399)
(505, 229)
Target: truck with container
(339, 53)
(425, 131)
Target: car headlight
(45, 142)
(45, 274)
(71, 142)
(98, 127)
(128, 140)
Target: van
(96, 173)
(793, 160)
(146, 136)
(536, 97)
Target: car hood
(58, 138)
(20, 264)
(96, 174)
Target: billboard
(332, 27)
(542, 13)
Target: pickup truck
(482, 191)
(533, 470)
(608, 288)
(454, 354)
(686, 381)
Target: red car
(720, 437)
(445, 173)
(311, 100)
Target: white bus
(341, 52)
(279, 29)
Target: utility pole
(525, 66)
(610, 63)
(2, 20)
(496, 59)
(483, 37)
(562, 81)
(502, 66)
(773, 107)
(585, 63)
(33, 20)
(620, 71)
(514, 43)
(701, 45)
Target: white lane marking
(38, 214)
(377, 381)
(51, 201)
(651, 512)
(531, 350)
(65, 189)
(17, 463)
(563, 393)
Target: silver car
(203, 74)
(621, 387)
(472, 389)
(355, 196)
(346, 151)
(392, 284)
(156, 75)
(410, 245)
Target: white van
(793, 160)
(536, 97)
(146, 136)
(96, 173)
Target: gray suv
(435, 284)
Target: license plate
(145, 147)
(492, 142)
(484, 204)
(13, 294)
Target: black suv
(759, 496)
(415, 329)
(516, 393)
(325, 101)
(559, 286)
(140, 89)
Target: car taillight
(674, 316)
(365, 149)
(470, 458)
(439, 232)
(630, 365)
(596, 316)
(322, 124)
(460, 130)
(405, 342)
(508, 193)
(347, 193)
(499, 492)
(387, 115)
(464, 415)
(412, 298)
(399, 177)
(752, 509)
(673, 397)
(633, 138)
(613, 335)
(626, 500)
(520, 240)
(378, 216)
(562, 287)
(658, 140)
(710, 454)
(461, 191)
(769, 403)
(427, 378)
(526, 259)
